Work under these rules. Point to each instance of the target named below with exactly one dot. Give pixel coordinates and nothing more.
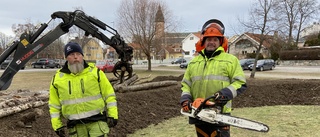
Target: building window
(244, 52)
(88, 54)
(177, 50)
(92, 48)
(187, 53)
(191, 38)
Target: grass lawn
(283, 121)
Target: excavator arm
(30, 44)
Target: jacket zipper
(82, 86)
(203, 72)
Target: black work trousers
(209, 130)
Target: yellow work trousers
(94, 129)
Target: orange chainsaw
(213, 115)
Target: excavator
(30, 44)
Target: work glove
(197, 102)
(220, 99)
(112, 122)
(186, 106)
(60, 132)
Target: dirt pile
(139, 109)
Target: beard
(76, 67)
(211, 47)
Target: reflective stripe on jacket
(81, 96)
(204, 77)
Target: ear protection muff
(199, 45)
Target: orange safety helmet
(212, 28)
(213, 21)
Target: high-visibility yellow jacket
(206, 76)
(80, 96)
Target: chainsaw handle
(197, 110)
(190, 114)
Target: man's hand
(112, 122)
(186, 106)
(220, 99)
(60, 132)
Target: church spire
(159, 15)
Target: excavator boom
(29, 44)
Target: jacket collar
(218, 51)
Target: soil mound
(139, 109)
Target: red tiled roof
(198, 34)
(256, 37)
(171, 49)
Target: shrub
(305, 54)
(253, 55)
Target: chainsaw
(213, 115)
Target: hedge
(304, 54)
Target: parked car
(105, 66)
(246, 62)
(184, 65)
(6, 62)
(59, 62)
(179, 61)
(263, 64)
(44, 63)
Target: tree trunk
(12, 110)
(125, 83)
(144, 86)
(20, 101)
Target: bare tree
(260, 20)
(307, 9)
(294, 13)
(4, 41)
(136, 20)
(290, 8)
(56, 49)
(29, 27)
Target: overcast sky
(191, 13)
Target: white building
(312, 29)
(188, 45)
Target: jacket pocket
(69, 87)
(82, 85)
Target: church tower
(159, 24)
